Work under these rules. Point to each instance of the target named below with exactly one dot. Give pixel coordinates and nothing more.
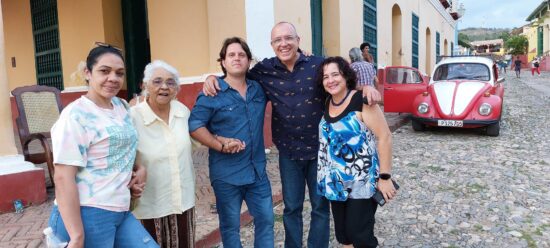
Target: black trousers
(354, 222)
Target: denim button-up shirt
(228, 114)
(297, 104)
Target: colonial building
(45, 40)
(539, 42)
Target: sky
(496, 13)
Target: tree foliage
(517, 44)
(504, 36)
(464, 40)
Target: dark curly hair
(344, 68)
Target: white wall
(259, 21)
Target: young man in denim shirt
(231, 125)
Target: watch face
(385, 176)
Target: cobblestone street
(460, 188)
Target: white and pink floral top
(102, 143)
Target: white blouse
(166, 151)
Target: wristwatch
(385, 176)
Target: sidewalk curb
(214, 237)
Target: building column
(10, 160)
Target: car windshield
(462, 71)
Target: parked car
(463, 92)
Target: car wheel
(493, 129)
(417, 126)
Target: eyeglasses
(107, 45)
(169, 82)
(287, 39)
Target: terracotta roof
(487, 42)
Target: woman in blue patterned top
(354, 155)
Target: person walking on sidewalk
(231, 125)
(166, 207)
(517, 66)
(535, 66)
(94, 148)
(289, 83)
(355, 155)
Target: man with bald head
(289, 83)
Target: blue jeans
(104, 228)
(229, 199)
(295, 174)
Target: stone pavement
(25, 229)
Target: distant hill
(475, 34)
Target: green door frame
(136, 42)
(317, 27)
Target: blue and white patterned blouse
(348, 158)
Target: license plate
(449, 123)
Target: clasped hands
(230, 145)
(137, 183)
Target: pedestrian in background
(365, 50)
(167, 205)
(535, 66)
(517, 66)
(94, 148)
(366, 74)
(355, 155)
(231, 125)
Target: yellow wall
(178, 31)
(531, 34)
(225, 19)
(80, 25)
(299, 14)
(18, 43)
(331, 27)
(429, 17)
(351, 25)
(112, 19)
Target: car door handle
(388, 88)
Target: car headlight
(484, 109)
(423, 108)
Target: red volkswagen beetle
(464, 92)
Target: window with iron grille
(45, 32)
(369, 27)
(436, 46)
(415, 41)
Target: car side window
(402, 76)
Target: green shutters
(539, 41)
(46, 43)
(437, 46)
(369, 27)
(414, 41)
(317, 27)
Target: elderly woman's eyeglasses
(103, 44)
(287, 39)
(169, 82)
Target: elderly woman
(166, 206)
(94, 147)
